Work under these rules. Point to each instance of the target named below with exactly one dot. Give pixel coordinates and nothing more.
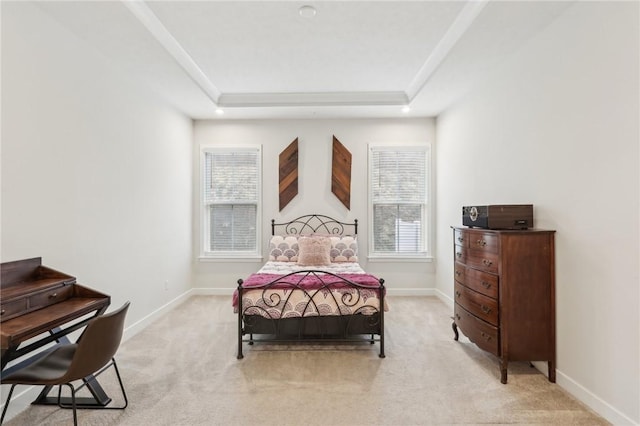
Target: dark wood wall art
(341, 173)
(288, 183)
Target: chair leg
(95, 375)
(124, 394)
(6, 404)
(73, 404)
(73, 401)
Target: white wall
(557, 126)
(314, 184)
(96, 172)
(97, 178)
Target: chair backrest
(98, 344)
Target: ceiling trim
(460, 25)
(141, 11)
(312, 99)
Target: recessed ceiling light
(307, 11)
(405, 109)
(219, 111)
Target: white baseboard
(23, 396)
(410, 291)
(22, 400)
(445, 298)
(390, 291)
(601, 407)
(205, 291)
(592, 401)
(143, 323)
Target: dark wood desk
(40, 306)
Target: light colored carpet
(182, 370)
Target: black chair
(92, 354)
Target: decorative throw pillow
(283, 248)
(344, 248)
(314, 251)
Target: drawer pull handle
(485, 309)
(457, 316)
(481, 243)
(458, 254)
(2, 312)
(457, 293)
(485, 336)
(53, 295)
(458, 273)
(486, 262)
(460, 239)
(486, 284)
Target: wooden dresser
(504, 293)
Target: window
(399, 201)
(231, 201)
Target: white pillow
(283, 248)
(344, 248)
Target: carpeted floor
(182, 370)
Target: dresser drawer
(478, 304)
(481, 259)
(460, 238)
(482, 282)
(483, 241)
(459, 272)
(49, 297)
(479, 332)
(12, 309)
(459, 253)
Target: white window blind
(231, 200)
(398, 188)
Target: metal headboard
(312, 223)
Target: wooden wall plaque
(288, 182)
(341, 173)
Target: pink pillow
(314, 251)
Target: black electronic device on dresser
(498, 216)
(504, 291)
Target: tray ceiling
(263, 59)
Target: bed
(312, 289)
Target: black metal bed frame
(366, 324)
(312, 223)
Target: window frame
(205, 225)
(425, 255)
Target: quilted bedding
(309, 294)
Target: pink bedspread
(307, 281)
